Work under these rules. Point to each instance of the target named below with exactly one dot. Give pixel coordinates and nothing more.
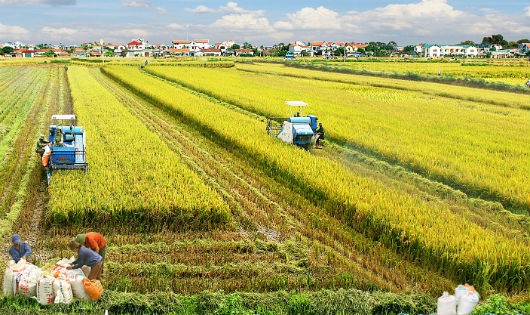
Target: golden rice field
(204, 212)
(510, 71)
(475, 146)
(420, 227)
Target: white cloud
(233, 7)
(528, 10)
(426, 15)
(201, 9)
(12, 32)
(242, 20)
(421, 21)
(59, 32)
(137, 3)
(311, 18)
(176, 26)
(161, 10)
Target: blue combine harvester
(65, 148)
(296, 129)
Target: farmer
(95, 242)
(86, 257)
(41, 143)
(19, 249)
(320, 134)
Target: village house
(136, 48)
(244, 52)
(209, 52)
(299, 48)
(177, 52)
(318, 48)
(439, 51)
(353, 48)
(194, 46)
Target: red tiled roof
(316, 43)
(181, 41)
(134, 42)
(358, 45)
(175, 50)
(202, 41)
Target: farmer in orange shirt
(95, 242)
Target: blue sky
(262, 22)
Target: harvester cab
(297, 129)
(65, 147)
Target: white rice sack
(65, 262)
(9, 286)
(12, 276)
(63, 291)
(28, 281)
(76, 281)
(78, 287)
(45, 294)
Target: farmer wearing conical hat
(94, 241)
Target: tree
(378, 49)
(339, 51)
(409, 50)
(43, 46)
(280, 50)
(512, 45)
(247, 45)
(468, 42)
(235, 46)
(109, 53)
(524, 40)
(50, 53)
(7, 50)
(496, 39)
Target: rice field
(204, 210)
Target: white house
(317, 48)
(298, 48)
(181, 43)
(437, 51)
(136, 48)
(199, 44)
(431, 51)
(471, 51)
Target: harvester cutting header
(297, 129)
(65, 147)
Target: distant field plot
(513, 71)
(475, 146)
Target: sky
(406, 22)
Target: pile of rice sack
(50, 284)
